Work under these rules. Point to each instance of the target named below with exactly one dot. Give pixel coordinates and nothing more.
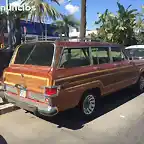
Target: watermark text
(15, 8)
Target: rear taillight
(51, 91)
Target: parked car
(135, 51)
(50, 77)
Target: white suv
(135, 51)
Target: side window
(75, 57)
(100, 55)
(117, 54)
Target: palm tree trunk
(67, 31)
(9, 23)
(83, 19)
(18, 34)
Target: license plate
(23, 93)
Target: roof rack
(65, 38)
(71, 39)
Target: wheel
(88, 104)
(140, 84)
(4, 100)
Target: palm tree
(143, 8)
(64, 25)
(40, 9)
(16, 28)
(83, 19)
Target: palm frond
(50, 11)
(56, 1)
(41, 9)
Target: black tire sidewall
(139, 83)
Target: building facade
(31, 30)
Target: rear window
(35, 54)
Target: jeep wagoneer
(50, 77)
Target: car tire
(4, 100)
(140, 84)
(89, 104)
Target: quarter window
(75, 57)
(117, 54)
(100, 55)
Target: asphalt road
(120, 121)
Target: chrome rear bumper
(31, 106)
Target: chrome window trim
(107, 47)
(90, 54)
(122, 53)
(54, 55)
(58, 66)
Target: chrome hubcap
(141, 83)
(89, 104)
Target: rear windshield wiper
(30, 54)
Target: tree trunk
(83, 19)
(18, 34)
(10, 34)
(2, 37)
(67, 31)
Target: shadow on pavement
(72, 119)
(2, 140)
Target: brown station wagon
(50, 77)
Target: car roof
(85, 44)
(78, 44)
(134, 46)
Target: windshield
(35, 54)
(136, 52)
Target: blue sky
(93, 6)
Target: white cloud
(72, 8)
(16, 3)
(61, 1)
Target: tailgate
(32, 83)
(33, 79)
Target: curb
(6, 108)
